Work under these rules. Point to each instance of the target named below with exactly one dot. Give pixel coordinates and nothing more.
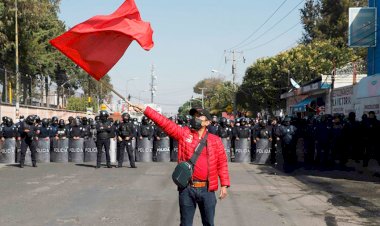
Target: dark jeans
(188, 200)
(121, 147)
(99, 145)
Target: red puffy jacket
(187, 142)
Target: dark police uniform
(126, 132)
(103, 129)
(28, 134)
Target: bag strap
(198, 149)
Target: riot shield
(279, 155)
(145, 150)
(18, 150)
(8, 151)
(242, 150)
(227, 147)
(90, 151)
(174, 151)
(76, 150)
(43, 150)
(133, 148)
(113, 146)
(60, 151)
(163, 150)
(263, 149)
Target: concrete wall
(10, 111)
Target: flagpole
(117, 93)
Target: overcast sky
(190, 38)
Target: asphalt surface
(78, 194)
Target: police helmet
(103, 115)
(125, 116)
(144, 120)
(10, 121)
(61, 122)
(30, 120)
(45, 122)
(54, 120)
(76, 122)
(37, 119)
(84, 121)
(222, 121)
(70, 119)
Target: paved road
(69, 194)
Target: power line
(278, 36)
(273, 26)
(254, 32)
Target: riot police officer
(103, 129)
(62, 131)
(93, 132)
(28, 131)
(9, 130)
(289, 143)
(125, 133)
(242, 130)
(85, 128)
(224, 131)
(145, 129)
(53, 127)
(213, 127)
(263, 132)
(276, 134)
(45, 129)
(76, 130)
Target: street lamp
(126, 85)
(126, 92)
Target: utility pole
(236, 56)
(152, 85)
(17, 69)
(5, 85)
(332, 88)
(203, 95)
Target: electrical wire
(273, 26)
(271, 40)
(254, 32)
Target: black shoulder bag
(184, 171)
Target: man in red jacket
(210, 166)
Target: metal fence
(37, 90)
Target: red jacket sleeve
(169, 127)
(222, 164)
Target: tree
(218, 96)
(327, 20)
(268, 78)
(38, 23)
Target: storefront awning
(301, 106)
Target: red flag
(97, 44)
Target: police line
(145, 150)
